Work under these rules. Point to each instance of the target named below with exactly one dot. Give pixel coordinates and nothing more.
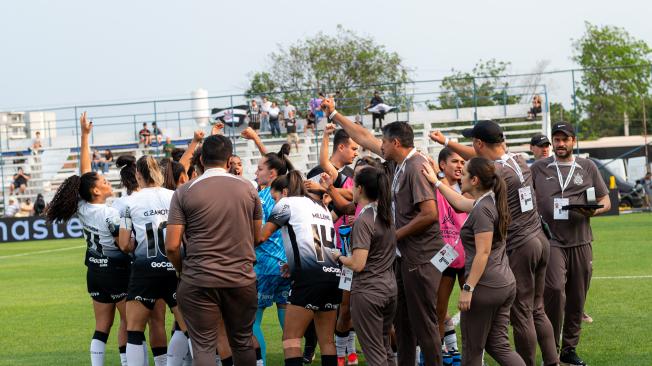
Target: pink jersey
(450, 223)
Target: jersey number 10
(155, 243)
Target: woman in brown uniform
(373, 289)
(490, 288)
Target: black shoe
(308, 355)
(570, 358)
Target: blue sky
(74, 51)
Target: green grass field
(46, 316)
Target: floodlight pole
(647, 160)
(577, 122)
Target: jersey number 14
(320, 241)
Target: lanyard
(399, 170)
(505, 159)
(489, 193)
(564, 184)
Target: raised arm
(250, 134)
(467, 152)
(341, 203)
(459, 202)
(324, 160)
(186, 158)
(85, 150)
(358, 133)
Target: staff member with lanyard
(417, 234)
(527, 246)
(561, 180)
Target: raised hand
(249, 134)
(330, 128)
(328, 106)
(85, 125)
(198, 136)
(217, 128)
(325, 180)
(429, 173)
(437, 136)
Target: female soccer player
(152, 275)
(373, 289)
(108, 267)
(308, 234)
(490, 287)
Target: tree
(616, 79)
(482, 87)
(331, 63)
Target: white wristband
(332, 115)
(437, 184)
(446, 142)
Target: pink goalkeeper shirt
(450, 223)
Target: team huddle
(358, 247)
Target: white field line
(41, 252)
(619, 277)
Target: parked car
(631, 195)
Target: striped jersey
(101, 224)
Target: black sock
(134, 337)
(343, 334)
(259, 354)
(227, 361)
(101, 336)
(296, 361)
(157, 351)
(329, 360)
(122, 349)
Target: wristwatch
(466, 287)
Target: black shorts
(149, 289)
(108, 287)
(318, 297)
(454, 272)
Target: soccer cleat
(308, 355)
(341, 361)
(352, 359)
(569, 357)
(587, 318)
(447, 359)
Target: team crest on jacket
(578, 179)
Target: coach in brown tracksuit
(219, 216)
(561, 180)
(417, 233)
(527, 246)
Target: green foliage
(607, 91)
(330, 63)
(481, 87)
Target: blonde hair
(150, 170)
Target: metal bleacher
(61, 162)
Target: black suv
(632, 195)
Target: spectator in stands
(254, 115)
(264, 114)
(536, 107)
(274, 112)
(540, 146)
(36, 143)
(315, 107)
(106, 161)
(168, 147)
(96, 161)
(12, 208)
(145, 135)
(20, 182)
(311, 122)
(289, 113)
(39, 205)
(376, 116)
(158, 134)
(26, 208)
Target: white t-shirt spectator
(274, 112)
(289, 111)
(266, 106)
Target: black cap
(539, 140)
(487, 131)
(564, 127)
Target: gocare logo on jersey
(167, 265)
(163, 211)
(103, 262)
(330, 269)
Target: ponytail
(485, 170)
(149, 170)
(376, 187)
(292, 181)
(127, 165)
(173, 171)
(63, 205)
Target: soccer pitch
(46, 315)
